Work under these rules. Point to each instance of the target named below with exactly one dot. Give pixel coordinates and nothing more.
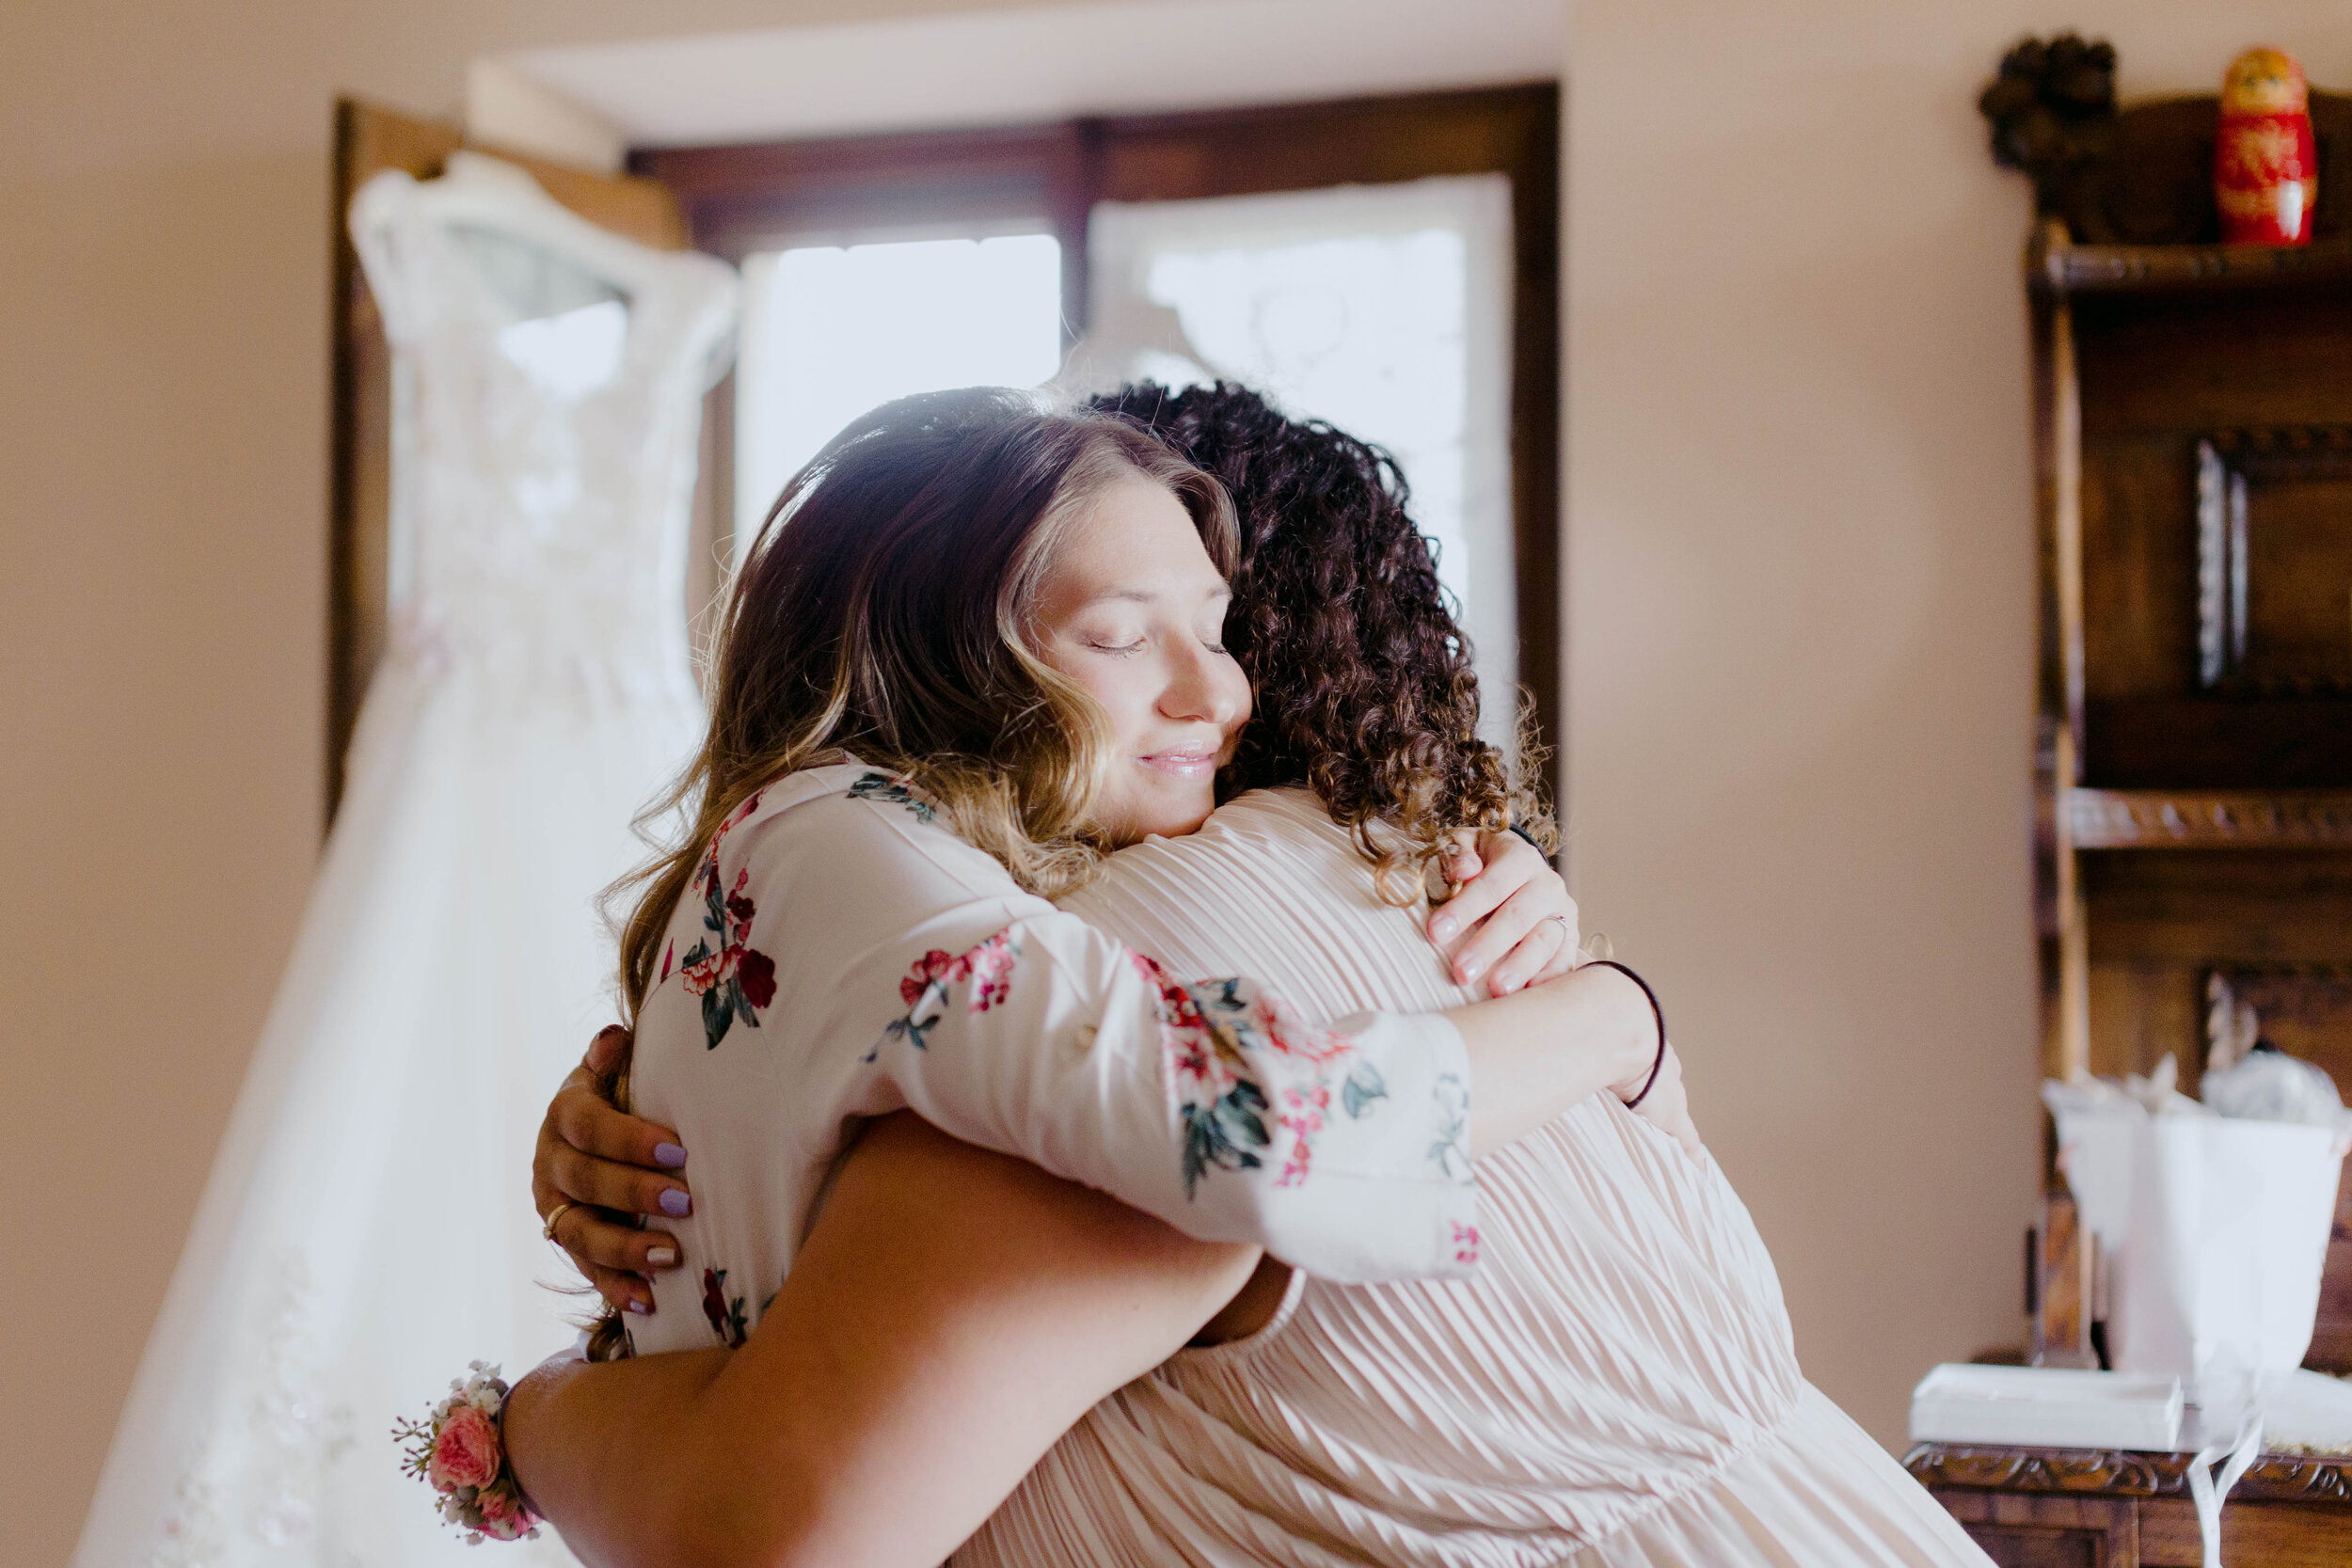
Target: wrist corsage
(460, 1451)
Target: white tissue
(2271, 1085)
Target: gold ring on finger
(557, 1212)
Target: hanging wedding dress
(366, 1230)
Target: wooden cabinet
(2193, 432)
(2192, 410)
(2041, 1508)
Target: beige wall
(1800, 614)
(1799, 623)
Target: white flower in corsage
(460, 1452)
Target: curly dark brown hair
(1364, 684)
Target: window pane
(1383, 308)
(830, 331)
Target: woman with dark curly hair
(1614, 1379)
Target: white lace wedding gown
(366, 1229)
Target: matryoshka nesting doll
(2266, 170)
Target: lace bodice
(547, 399)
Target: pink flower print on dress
(1450, 1150)
(897, 792)
(1218, 1044)
(1302, 1115)
(736, 818)
(930, 970)
(1464, 1243)
(734, 980)
(1219, 1098)
(988, 966)
(711, 969)
(725, 1313)
(756, 974)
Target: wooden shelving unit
(2194, 439)
(2082, 269)
(2193, 428)
(2192, 409)
(2208, 820)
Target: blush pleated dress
(1615, 1385)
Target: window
(1382, 309)
(831, 330)
(1388, 265)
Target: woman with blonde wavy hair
(1610, 1380)
(926, 718)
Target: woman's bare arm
(952, 1313)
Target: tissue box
(2047, 1407)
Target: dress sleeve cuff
(1391, 1193)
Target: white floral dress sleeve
(911, 973)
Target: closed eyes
(1125, 650)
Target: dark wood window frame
(740, 199)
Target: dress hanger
(499, 200)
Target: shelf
(2265, 745)
(2066, 268)
(2281, 1476)
(2209, 819)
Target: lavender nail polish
(643, 1308)
(676, 1204)
(660, 1257)
(668, 1155)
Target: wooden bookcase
(2193, 425)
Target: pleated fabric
(1617, 1386)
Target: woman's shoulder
(845, 813)
(1273, 888)
(1289, 819)
(1286, 811)
(1266, 838)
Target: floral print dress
(843, 955)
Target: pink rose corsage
(460, 1453)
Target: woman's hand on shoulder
(596, 1166)
(1510, 921)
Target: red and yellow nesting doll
(2265, 170)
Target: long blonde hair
(883, 612)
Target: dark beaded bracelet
(1657, 1012)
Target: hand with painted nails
(598, 1170)
(1510, 922)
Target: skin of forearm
(1537, 1053)
(586, 1441)
(952, 1314)
(723, 1460)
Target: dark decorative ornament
(2052, 110)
